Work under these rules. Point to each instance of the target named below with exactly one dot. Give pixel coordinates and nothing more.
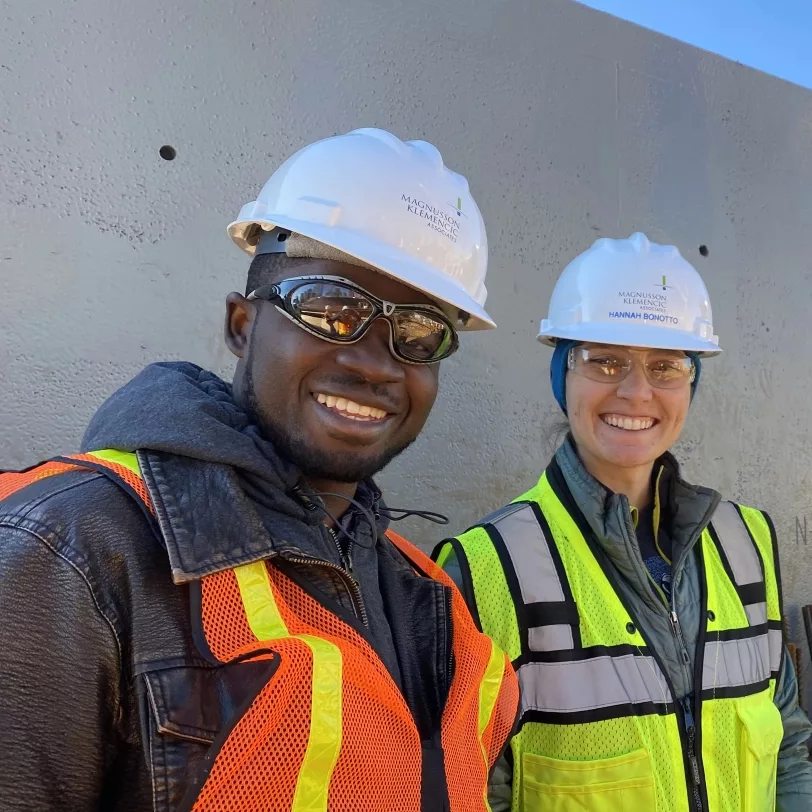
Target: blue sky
(774, 36)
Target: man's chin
(339, 463)
(349, 467)
(334, 460)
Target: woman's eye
(607, 365)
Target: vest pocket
(762, 732)
(604, 785)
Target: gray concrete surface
(569, 124)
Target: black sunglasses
(340, 311)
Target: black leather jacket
(105, 701)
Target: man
(205, 610)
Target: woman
(643, 614)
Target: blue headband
(558, 371)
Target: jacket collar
(687, 510)
(212, 519)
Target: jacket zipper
(688, 717)
(346, 558)
(344, 571)
(349, 582)
(676, 628)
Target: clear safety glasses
(664, 369)
(342, 312)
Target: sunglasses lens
(330, 308)
(421, 337)
(665, 369)
(340, 312)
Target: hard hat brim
(632, 335)
(450, 296)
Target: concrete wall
(569, 124)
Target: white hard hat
(389, 204)
(634, 293)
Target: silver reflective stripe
(756, 613)
(584, 685)
(532, 560)
(776, 648)
(529, 551)
(530, 555)
(738, 546)
(550, 638)
(733, 663)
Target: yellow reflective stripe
(490, 687)
(445, 554)
(313, 786)
(324, 742)
(260, 605)
(488, 695)
(126, 459)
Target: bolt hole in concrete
(703, 250)
(167, 153)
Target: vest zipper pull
(678, 635)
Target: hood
(183, 410)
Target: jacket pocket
(186, 709)
(761, 736)
(605, 785)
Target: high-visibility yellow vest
(600, 727)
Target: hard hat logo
(339, 192)
(646, 301)
(435, 218)
(605, 296)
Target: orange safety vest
(329, 729)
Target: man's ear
(240, 316)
